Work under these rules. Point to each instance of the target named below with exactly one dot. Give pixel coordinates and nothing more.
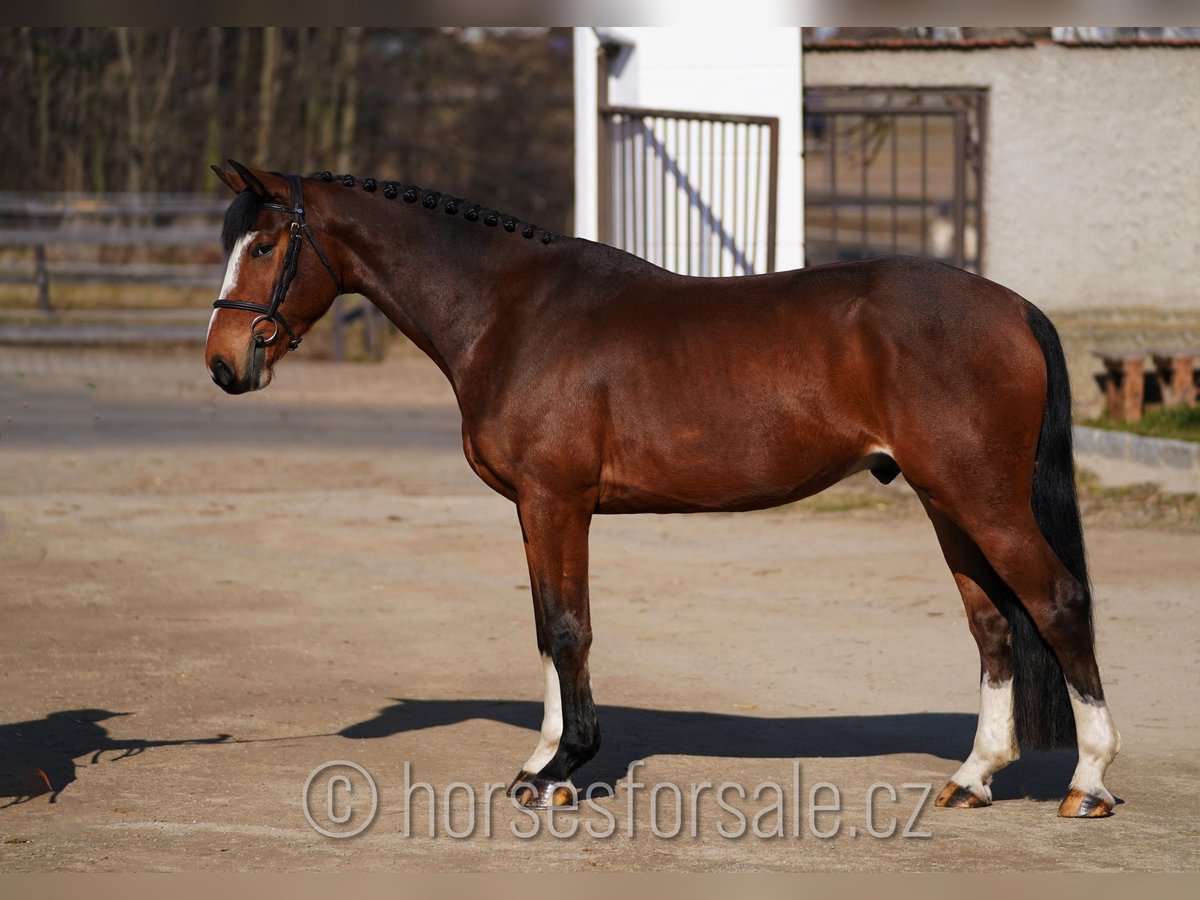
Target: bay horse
(593, 382)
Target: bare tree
(351, 43)
(266, 92)
(484, 114)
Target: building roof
(968, 38)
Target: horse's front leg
(555, 530)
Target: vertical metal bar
(960, 187)
(645, 195)
(772, 193)
(628, 188)
(980, 212)
(632, 237)
(758, 155)
(924, 117)
(726, 191)
(721, 229)
(687, 137)
(712, 195)
(696, 211)
(631, 137)
(700, 204)
(605, 178)
(862, 199)
(663, 192)
(678, 193)
(42, 274)
(895, 184)
(833, 187)
(652, 189)
(733, 198)
(650, 140)
(744, 166)
(634, 186)
(619, 147)
(736, 244)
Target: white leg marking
(231, 271)
(1099, 742)
(552, 721)
(995, 739)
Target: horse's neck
(439, 278)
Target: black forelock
(240, 218)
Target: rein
(270, 312)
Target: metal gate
(692, 192)
(894, 171)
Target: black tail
(1042, 708)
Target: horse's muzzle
(225, 375)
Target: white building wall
(747, 71)
(1092, 164)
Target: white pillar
(586, 161)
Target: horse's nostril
(222, 372)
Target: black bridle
(270, 312)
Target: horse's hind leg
(1060, 608)
(1002, 525)
(995, 736)
(556, 546)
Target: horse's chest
(488, 465)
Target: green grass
(1181, 423)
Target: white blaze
(231, 271)
(552, 721)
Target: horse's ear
(268, 185)
(232, 180)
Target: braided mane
(433, 200)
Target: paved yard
(205, 597)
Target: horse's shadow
(631, 733)
(39, 756)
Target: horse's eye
(262, 250)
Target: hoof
(955, 796)
(1079, 805)
(535, 792)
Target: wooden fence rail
(42, 221)
(68, 236)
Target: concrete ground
(205, 597)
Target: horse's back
(827, 333)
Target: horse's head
(278, 279)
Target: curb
(1146, 451)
